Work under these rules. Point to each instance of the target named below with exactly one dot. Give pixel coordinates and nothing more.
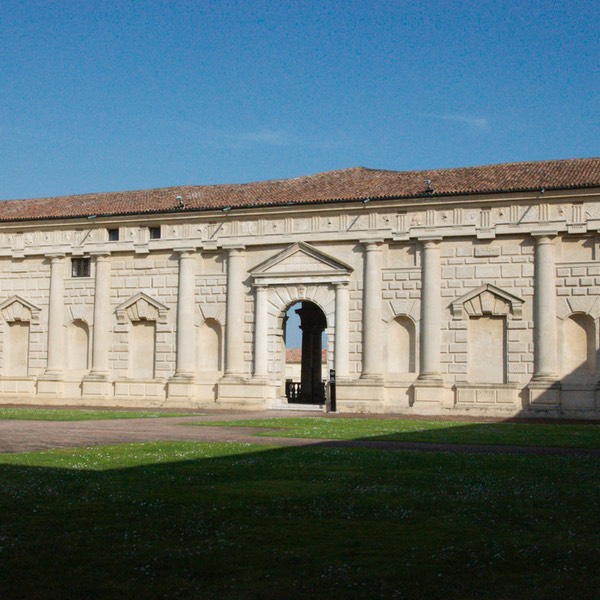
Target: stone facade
(470, 303)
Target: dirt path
(28, 436)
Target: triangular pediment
(18, 309)
(487, 300)
(301, 259)
(142, 307)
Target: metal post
(332, 399)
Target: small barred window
(80, 267)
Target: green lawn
(81, 414)
(185, 520)
(413, 430)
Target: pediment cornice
(300, 261)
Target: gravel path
(28, 436)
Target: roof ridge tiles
(355, 183)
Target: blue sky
(105, 96)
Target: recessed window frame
(155, 233)
(81, 267)
(113, 235)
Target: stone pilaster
(186, 303)
(97, 382)
(181, 385)
(56, 309)
(544, 389)
(431, 312)
(544, 310)
(372, 312)
(51, 383)
(261, 333)
(342, 330)
(234, 327)
(429, 390)
(101, 339)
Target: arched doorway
(305, 385)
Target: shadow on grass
(189, 520)
(497, 436)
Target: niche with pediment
(301, 263)
(17, 317)
(487, 309)
(141, 316)
(487, 300)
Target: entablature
(478, 217)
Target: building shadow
(233, 521)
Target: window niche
(80, 267)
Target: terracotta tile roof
(294, 355)
(349, 184)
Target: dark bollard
(332, 402)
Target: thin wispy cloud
(472, 121)
(267, 137)
(276, 138)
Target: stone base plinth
(428, 396)
(96, 387)
(487, 395)
(242, 394)
(578, 397)
(360, 396)
(17, 386)
(543, 395)
(398, 396)
(50, 386)
(181, 388)
(140, 390)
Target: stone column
(56, 310)
(234, 327)
(544, 310)
(101, 339)
(342, 330)
(186, 303)
(431, 312)
(261, 333)
(372, 313)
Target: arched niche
(401, 346)
(578, 347)
(78, 346)
(210, 347)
